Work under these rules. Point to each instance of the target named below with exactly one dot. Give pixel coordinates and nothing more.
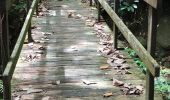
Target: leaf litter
(115, 60)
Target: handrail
(10, 67)
(18, 46)
(151, 64)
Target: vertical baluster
(29, 28)
(6, 88)
(151, 46)
(99, 10)
(115, 29)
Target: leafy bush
(161, 83)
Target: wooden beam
(151, 64)
(152, 3)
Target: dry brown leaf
(139, 87)
(117, 82)
(104, 67)
(41, 48)
(108, 94)
(70, 15)
(88, 82)
(119, 61)
(125, 66)
(127, 72)
(90, 22)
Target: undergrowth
(161, 83)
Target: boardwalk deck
(70, 58)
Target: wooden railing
(153, 67)
(10, 67)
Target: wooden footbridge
(73, 57)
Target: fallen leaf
(139, 87)
(104, 67)
(41, 48)
(90, 23)
(108, 94)
(18, 98)
(125, 66)
(127, 72)
(119, 61)
(117, 82)
(39, 52)
(56, 82)
(88, 82)
(78, 16)
(46, 98)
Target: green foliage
(161, 83)
(20, 5)
(132, 54)
(128, 7)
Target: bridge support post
(99, 10)
(149, 86)
(30, 39)
(151, 46)
(115, 29)
(6, 88)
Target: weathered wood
(69, 67)
(151, 46)
(6, 88)
(152, 30)
(8, 72)
(30, 39)
(151, 64)
(149, 86)
(99, 11)
(115, 29)
(153, 3)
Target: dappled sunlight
(89, 33)
(52, 13)
(81, 46)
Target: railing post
(99, 10)
(152, 30)
(6, 88)
(115, 29)
(30, 39)
(149, 86)
(91, 2)
(151, 46)
(37, 8)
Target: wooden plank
(151, 64)
(17, 49)
(152, 3)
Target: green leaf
(126, 3)
(135, 6)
